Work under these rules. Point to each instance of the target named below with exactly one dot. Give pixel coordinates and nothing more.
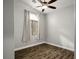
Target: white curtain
(26, 27)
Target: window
(34, 25)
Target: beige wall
(61, 27)
(8, 29)
(19, 7)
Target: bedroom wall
(8, 29)
(60, 27)
(19, 7)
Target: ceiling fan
(47, 4)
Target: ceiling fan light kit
(44, 7)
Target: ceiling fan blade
(51, 1)
(43, 10)
(52, 7)
(39, 6)
(40, 1)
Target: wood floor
(44, 51)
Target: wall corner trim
(59, 46)
(28, 46)
(42, 43)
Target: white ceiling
(59, 4)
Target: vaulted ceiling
(59, 4)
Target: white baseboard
(42, 43)
(60, 46)
(28, 46)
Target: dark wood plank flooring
(44, 51)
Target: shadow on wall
(65, 40)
